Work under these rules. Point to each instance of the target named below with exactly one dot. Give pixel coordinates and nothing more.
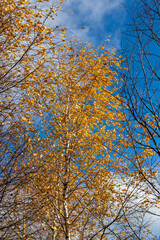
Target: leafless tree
(141, 91)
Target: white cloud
(99, 17)
(94, 10)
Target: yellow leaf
(103, 46)
(62, 35)
(63, 30)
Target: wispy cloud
(101, 18)
(95, 11)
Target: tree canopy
(79, 128)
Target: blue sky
(101, 19)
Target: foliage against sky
(68, 177)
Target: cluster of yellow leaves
(25, 39)
(80, 113)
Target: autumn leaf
(63, 30)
